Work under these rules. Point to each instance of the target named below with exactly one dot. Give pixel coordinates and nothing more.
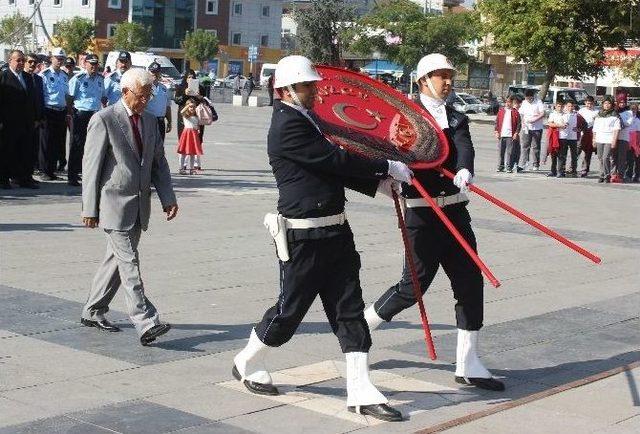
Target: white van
(170, 75)
(267, 70)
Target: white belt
(316, 222)
(440, 200)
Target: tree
(403, 33)
(131, 37)
(200, 45)
(561, 37)
(15, 30)
(320, 27)
(74, 34)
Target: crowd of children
(613, 133)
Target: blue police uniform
(112, 87)
(87, 93)
(55, 86)
(157, 106)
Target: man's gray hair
(136, 76)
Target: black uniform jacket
(311, 172)
(461, 156)
(18, 107)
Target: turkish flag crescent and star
(372, 119)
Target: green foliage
(131, 37)
(15, 30)
(75, 34)
(320, 29)
(403, 34)
(631, 69)
(561, 37)
(200, 45)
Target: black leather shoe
(482, 383)
(257, 388)
(379, 411)
(102, 324)
(74, 183)
(153, 333)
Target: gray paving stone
(215, 428)
(55, 425)
(140, 417)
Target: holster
(276, 225)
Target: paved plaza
(562, 333)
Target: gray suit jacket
(116, 180)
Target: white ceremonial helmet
(58, 52)
(432, 62)
(294, 69)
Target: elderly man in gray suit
(123, 157)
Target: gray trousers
(530, 144)
(505, 151)
(604, 154)
(121, 267)
(619, 158)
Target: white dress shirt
(530, 110)
(436, 108)
(506, 131)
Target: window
(54, 28)
(212, 7)
(57, 3)
(237, 8)
(115, 4)
(214, 31)
(84, 3)
(31, 2)
(264, 40)
(236, 39)
(12, 2)
(111, 30)
(266, 10)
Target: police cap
(92, 59)
(124, 56)
(70, 61)
(154, 67)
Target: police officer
(314, 240)
(433, 244)
(160, 104)
(56, 88)
(69, 66)
(112, 82)
(87, 91)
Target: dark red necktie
(135, 118)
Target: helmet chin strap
(294, 96)
(432, 89)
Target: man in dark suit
(39, 130)
(433, 244)
(314, 240)
(17, 116)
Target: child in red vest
(507, 129)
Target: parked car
(228, 81)
(467, 103)
(170, 75)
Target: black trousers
(433, 246)
(76, 150)
(162, 127)
(55, 135)
(328, 267)
(17, 152)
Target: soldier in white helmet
(314, 242)
(432, 243)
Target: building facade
(238, 24)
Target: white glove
(399, 171)
(388, 186)
(462, 180)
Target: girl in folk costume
(606, 127)
(633, 156)
(586, 115)
(189, 144)
(619, 155)
(556, 122)
(507, 129)
(568, 140)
